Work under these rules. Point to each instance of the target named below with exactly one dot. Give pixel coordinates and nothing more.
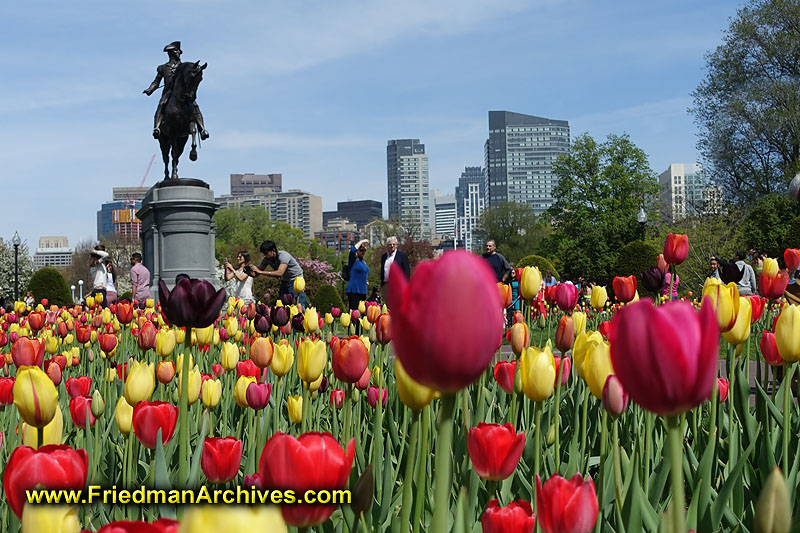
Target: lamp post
(642, 218)
(80, 284)
(72, 288)
(16, 241)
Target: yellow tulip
(211, 392)
(770, 267)
(90, 301)
(50, 518)
(180, 335)
(538, 371)
(195, 382)
(293, 310)
(599, 297)
(328, 319)
(51, 345)
(240, 390)
(179, 362)
(310, 319)
(231, 326)
(205, 518)
(741, 328)
(229, 355)
(311, 359)
(315, 385)
(282, 359)
(150, 303)
(530, 282)
(140, 383)
(412, 394)
(69, 339)
(215, 339)
(362, 307)
(111, 375)
(295, 404)
(204, 335)
(365, 324)
(366, 342)
(52, 432)
(35, 396)
(597, 366)
(725, 299)
(344, 320)
(123, 414)
(19, 307)
(165, 343)
(582, 344)
(299, 284)
(106, 315)
(787, 334)
(579, 322)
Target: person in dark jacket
(392, 256)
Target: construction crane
(132, 202)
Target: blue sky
(314, 89)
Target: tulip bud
(615, 399)
(363, 492)
(165, 371)
(551, 435)
(211, 392)
(295, 406)
(773, 512)
(98, 404)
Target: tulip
(787, 335)
(247, 368)
(791, 257)
(383, 328)
(373, 312)
(372, 396)
(36, 320)
(624, 288)
(279, 316)
(676, 248)
(506, 296)
(312, 461)
(769, 349)
(51, 344)
(615, 399)
(538, 370)
(53, 371)
(211, 392)
(7, 391)
(349, 358)
(582, 344)
(205, 518)
(77, 386)
(27, 352)
(140, 383)
(725, 301)
(124, 312)
(566, 505)
(51, 518)
(204, 335)
(191, 303)
(666, 356)
(516, 517)
(311, 359)
(504, 372)
(363, 381)
(519, 337)
(299, 284)
(597, 367)
(413, 395)
(772, 283)
(165, 343)
(261, 351)
(599, 297)
(566, 296)
(257, 395)
(344, 320)
(565, 334)
(147, 336)
(240, 390)
(229, 355)
(530, 282)
(49, 467)
(221, 458)
(740, 331)
(566, 365)
(108, 342)
(165, 371)
(162, 525)
(434, 356)
(149, 417)
(297, 323)
(653, 279)
(35, 396)
(295, 406)
(495, 450)
(80, 408)
(52, 432)
(722, 389)
(337, 398)
(123, 415)
(282, 360)
(773, 512)
(98, 404)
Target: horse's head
(190, 75)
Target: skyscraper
(246, 184)
(470, 201)
(444, 216)
(407, 176)
(686, 192)
(520, 154)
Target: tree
(515, 229)
(600, 191)
(748, 105)
(7, 269)
(766, 226)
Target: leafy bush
(793, 234)
(50, 284)
(326, 297)
(317, 273)
(634, 258)
(543, 263)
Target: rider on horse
(167, 73)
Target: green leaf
(161, 478)
(194, 470)
(734, 477)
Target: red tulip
(372, 396)
(313, 461)
(666, 356)
(149, 417)
(51, 467)
(566, 367)
(53, 371)
(122, 372)
(722, 389)
(79, 406)
(519, 337)
(80, 386)
(36, 320)
(615, 399)
(363, 381)
(757, 304)
(63, 329)
(6, 391)
(565, 334)
(191, 303)
(550, 294)
(147, 336)
(516, 517)
(383, 328)
(108, 341)
(349, 358)
(676, 248)
(624, 288)
(566, 296)
(221, 458)
(792, 259)
(124, 312)
(769, 349)
(162, 525)
(773, 287)
(566, 505)
(28, 352)
(495, 450)
(165, 371)
(217, 369)
(252, 481)
(337, 398)
(604, 328)
(257, 395)
(504, 375)
(247, 368)
(60, 360)
(436, 356)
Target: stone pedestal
(178, 232)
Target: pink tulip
(566, 296)
(372, 396)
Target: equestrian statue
(177, 114)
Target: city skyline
(308, 93)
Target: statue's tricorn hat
(173, 46)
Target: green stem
(617, 468)
(276, 408)
(537, 438)
(584, 428)
(442, 482)
(557, 416)
(422, 469)
(512, 412)
(787, 415)
(39, 437)
(647, 446)
(603, 456)
(405, 522)
(348, 413)
(676, 473)
(304, 411)
(183, 412)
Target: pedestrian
(714, 265)
(98, 274)
(549, 278)
(111, 281)
(244, 277)
(390, 257)
(140, 280)
(359, 272)
(748, 284)
(284, 267)
(499, 264)
(668, 284)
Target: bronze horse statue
(179, 112)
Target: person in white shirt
(98, 273)
(111, 280)
(389, 258)
(244, 277)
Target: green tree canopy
(748, 105)
(600, 191)
(514, 227)
(766, 226)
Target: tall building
(299, 209)
(53, 252)
(339, 234)
(519, 156)
(686, 192)
(118, 220)
(130, 194)
(444, 218)
(360, 212)
(470, 201)
(407, 177)
(246, 184)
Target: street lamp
(16, 241)
(80, 283)
(642, 218)
(72, 288)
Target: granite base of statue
(178, 232)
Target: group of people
(103, 276)
(358, 271)
(282, 265)
(748, 285)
